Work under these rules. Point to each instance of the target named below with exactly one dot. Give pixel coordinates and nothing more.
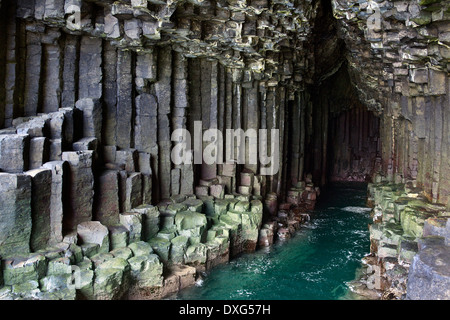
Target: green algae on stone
(101, 257)
(90, 249)
(189, 219)
(392, 233)
(22, 269)
(242, 206)
(413, 220)
(146, 270)
(150, 220)
(59, 266)
(196, 254)
(124, 253)
(161, 247)
(194, 205)
(140, 248)
(175, 207)
(208, 205)
(407, 250)
(168, 233)
(76, 253)
(178, 249)
(56, 282)
(118, 236)
(25, 287)
(110, 279)
(221, 206)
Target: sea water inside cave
(315, 264)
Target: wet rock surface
(409, 258)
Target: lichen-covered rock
(89, 249)
(178, 249)
(194, 205)
(141, 248)
(111, 279)
(84, 278)
(99, 258)
(24, 268)
(413, 221)
(59, 266)
(124, 253)
(196, 254)
(146, 270)
(161, 247)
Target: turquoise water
(315, 264)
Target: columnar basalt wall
(157, 68)
(92, 91)
(398, 55)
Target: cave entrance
(342, 141)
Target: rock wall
(409, 235)
(398, 55)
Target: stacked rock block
(50, 198)
(284, 219)
(409, 244)
(75, 229)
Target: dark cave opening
(342, 138)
